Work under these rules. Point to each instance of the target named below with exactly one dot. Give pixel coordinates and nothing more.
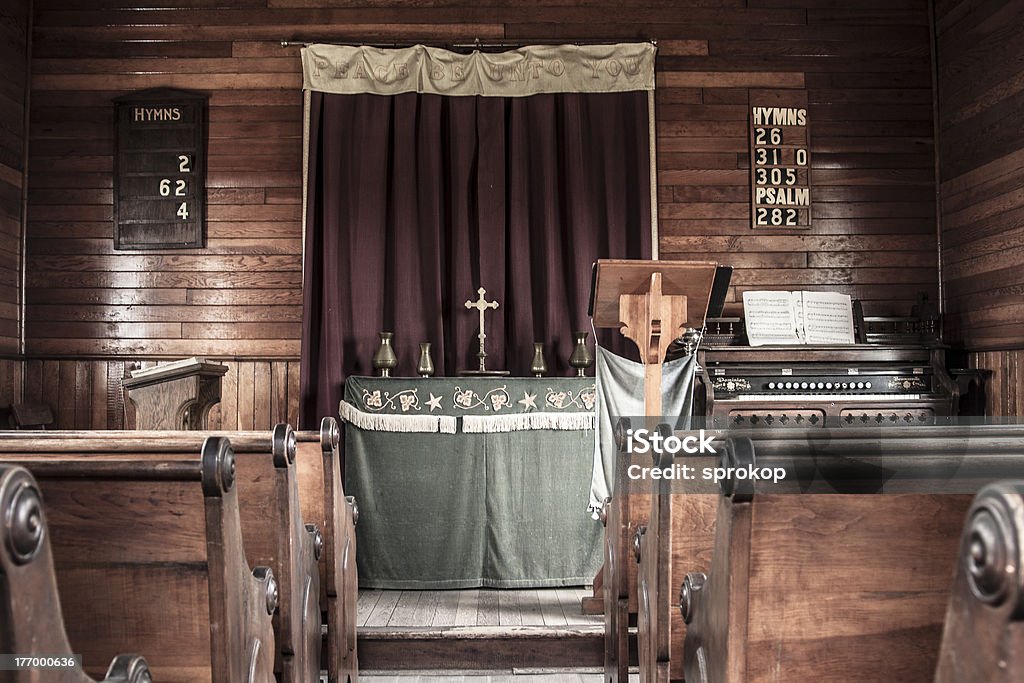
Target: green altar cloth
(472, 482)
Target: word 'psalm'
(780, 116)
(791, 196)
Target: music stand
(651, 303)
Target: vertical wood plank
(294, 392)
(229, 397)
(246, 395)
(98, 398)
(279, 393)
(83, 394)
(262, 388)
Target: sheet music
(828, 318)
(770, 318)
(798, 318)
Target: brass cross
(481, 304)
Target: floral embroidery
(467, 399)
(408, 399)
(563, 400)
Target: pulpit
(175, 395)
(651, 303)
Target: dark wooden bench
(148, 552)
(679, 535)
(273, 530)
(31, 622)
(681, 528)
(324, 503)
(982, 639)
(837, 587)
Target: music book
(773, 317)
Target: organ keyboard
(860, 384)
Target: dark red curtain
(414, 201)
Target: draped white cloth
(620, 393)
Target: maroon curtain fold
(414, 201)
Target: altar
(472, 482)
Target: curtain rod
(476, 44)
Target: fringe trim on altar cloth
(489, 424)
(396, 423)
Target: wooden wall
(864, 64)
(14, 31)
(980, 62)
(87, 393)
(980, 66)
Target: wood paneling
(980, 67)
(1004, 394)
(87, 393)
(14, 31)
(865, 66)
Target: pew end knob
(218, 465)
(330, 434)
(265, 575)
(621, 432)
(284, 445)
(661, 458)
(737, 454)
(318, 540)
(990, 551)
(637, 539)
(21, 506)
(351, 502)
(602, 512)
(128, 669)
(692, 584)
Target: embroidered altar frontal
(472, 482)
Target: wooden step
(480, 647)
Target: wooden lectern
(651, 303)
(175, 395)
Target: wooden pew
(684, 543)
(983, 638)
(828, 587)
(31, 622)
(676, 531)
(273, 532)
(148, 551)
(324, 502)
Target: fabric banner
(620, 391)
(531, 70)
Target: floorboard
(477, 607)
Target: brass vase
(426, 366)
(385, 359)
(539, 366)
(581, 358)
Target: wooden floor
(479, 607)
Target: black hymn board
(780, 164)
(160, 170)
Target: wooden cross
(481, 304)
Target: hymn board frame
(780, 159)
(160, 139)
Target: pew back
(273, 531)
(149, 552)
(320, 470)
(822, 587)
(31, 622)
